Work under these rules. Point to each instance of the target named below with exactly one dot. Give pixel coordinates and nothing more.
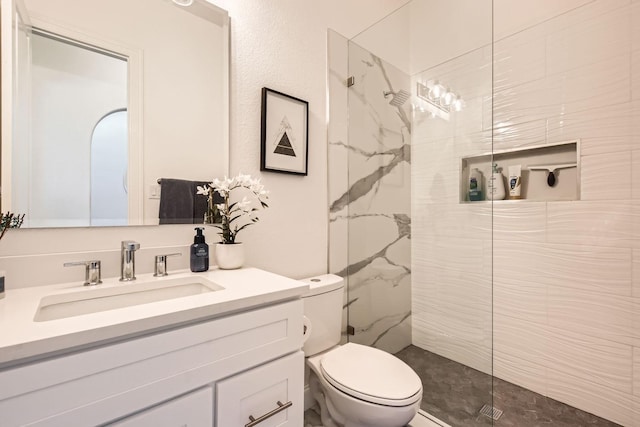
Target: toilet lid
(371, 375)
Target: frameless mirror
(101, 99)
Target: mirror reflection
(109, 98)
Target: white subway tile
(520, 58)
(598, 38)
(593, 314)
(508, 136)
(589, 358)
(635, 278)
(606, 176)
(635, 174)
(590, 397)
(517, 221)
(600, 130)
(591, 223)
(636, 371)
(592, 86)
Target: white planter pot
(229, 256)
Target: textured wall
(565, 274)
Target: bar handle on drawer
(281, 407)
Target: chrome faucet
(128, 260)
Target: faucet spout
(128, 249)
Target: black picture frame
(284, 145)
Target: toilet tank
(323, 313)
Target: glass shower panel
(379, 267)
(419, 252)
(452, 227)
(565, 271)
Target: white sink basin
(96, 299)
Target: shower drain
(491, 412)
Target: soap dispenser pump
(496, 184)
(199, 252)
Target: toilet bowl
(354, 385)
(363, 386)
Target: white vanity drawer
(193, 410)
(261, 392)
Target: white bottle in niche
(495, 186)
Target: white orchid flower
(202, 190)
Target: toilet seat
(371, 375)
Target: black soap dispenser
(199, 252)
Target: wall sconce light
(440, 97)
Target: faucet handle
(92, 274)
(130, 245)
(161, 264)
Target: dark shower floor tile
(455, 393)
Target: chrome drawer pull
(281, 407)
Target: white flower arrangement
(233, 212)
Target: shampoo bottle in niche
(475, 185)
(515, 182)
(495, 187)
(199, 252)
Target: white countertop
(23, 339)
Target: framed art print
(284, 134)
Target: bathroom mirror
(101, 99)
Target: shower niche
(549, 172)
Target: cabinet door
(192, 410)
(271, 395)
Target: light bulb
(448, 97)
(436, 90)
(457, 104)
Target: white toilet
(354, 385)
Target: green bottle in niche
(475, 185)
(199, 252)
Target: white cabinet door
(271, 395)
(192, 410)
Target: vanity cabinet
(216, 372)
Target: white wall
(283, 48)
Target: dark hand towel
(179, 203)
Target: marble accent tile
(591, 223)
(606, 176)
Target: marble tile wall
(565, 276)
(369, 190)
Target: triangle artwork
(283, 142)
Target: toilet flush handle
(306, 329)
